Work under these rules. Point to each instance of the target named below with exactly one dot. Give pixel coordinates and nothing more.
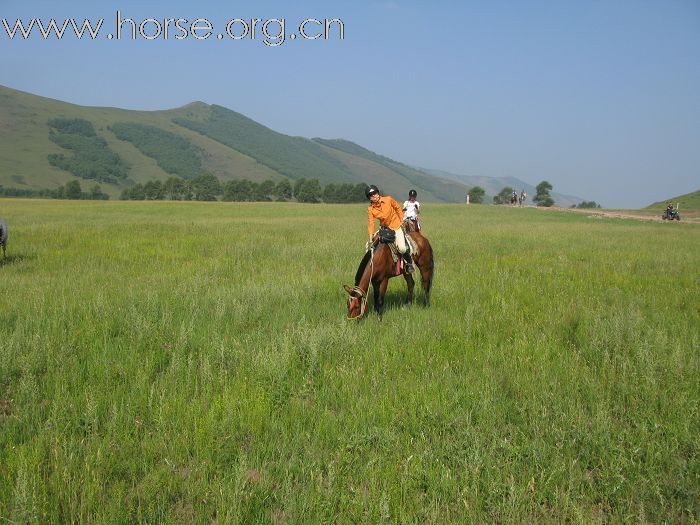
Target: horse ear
(347, 288)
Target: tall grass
(173, 362)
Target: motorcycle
(671, 214)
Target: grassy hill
(687, 202)
(179, 142)
(441, 188)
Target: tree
(331, 193)
(205, 187)
(73, 190)
(309, 191)
(503, 196)
(586, 205)
(476, 195)
(238, 190)
(298, 185)
(267, 189)
(153, 190)
(174, 188)
(283, 190)
(137, 192)
(358, 193)
(543, 198)
(97, 194)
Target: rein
(361, 294)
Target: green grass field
(191, 363)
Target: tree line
(71, 190)
(207, 187)
(477, 194)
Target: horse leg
(410, 283)
(426, 267)
(379, 291)
(427, 277)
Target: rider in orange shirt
(389, 213)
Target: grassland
(183, 362)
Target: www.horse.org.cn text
(272, 32)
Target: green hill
(146, 145)
(688, 202)
(443, 189)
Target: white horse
(522, 198)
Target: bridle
(361, 294)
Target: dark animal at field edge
(3, 237)
(378, 266)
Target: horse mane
(363, 265)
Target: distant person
(514, 198)
(411, 209)
(389, 214)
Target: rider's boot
(408, 263)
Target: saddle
(398, 259)
(388, 236)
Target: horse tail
(431, 265)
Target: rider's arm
(397, 208)
(370, 222)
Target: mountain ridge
(232, 146)
(226, 143)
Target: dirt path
(691, 217)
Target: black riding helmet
(413, 193)
(370, 190)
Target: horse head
(357, 301)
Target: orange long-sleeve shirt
(387, 210)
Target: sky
(599, 97)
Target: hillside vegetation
(293, 157)
(90, 156)
(687, 202)
(145, 145)
(173, 153)
(187, 362)
(444, 189)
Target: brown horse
(377, 267)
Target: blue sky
(600, 98)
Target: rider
(411, 209)
(389, 214)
